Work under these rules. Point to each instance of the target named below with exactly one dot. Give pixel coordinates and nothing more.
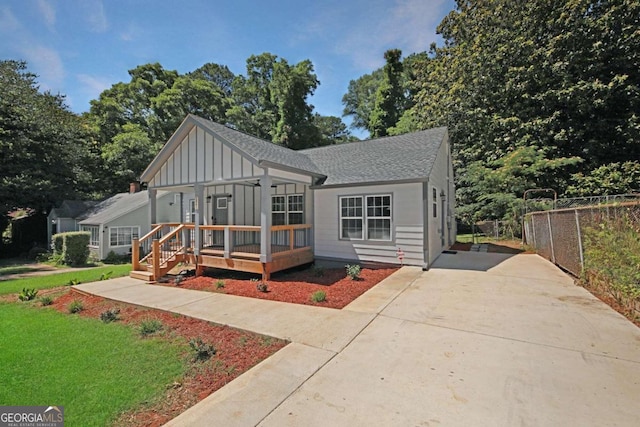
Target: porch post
(265, 217)
(152, 207)
(199, 193)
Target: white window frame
(94, 230)
(286, 204)
(365, 217)
(120, 244)
(221, 203)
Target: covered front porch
(245, 204)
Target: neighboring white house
(116, 221)
(64, 217)
(361, 201)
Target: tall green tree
(390, 97)
(562, 76)
(45, 150)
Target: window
(122, 236)
(94, 240)
(221, 203)
(372, 223)
(379, 217)
(287, 209)
(434, 201)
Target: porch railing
(286, 238)
(164, 240)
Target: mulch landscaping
(237, 351)
(294, 286)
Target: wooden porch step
(147, 276)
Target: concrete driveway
(481, 339)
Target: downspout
(425, 227)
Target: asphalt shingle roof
(395, 158)
(115, 206)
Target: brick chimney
(134, 187)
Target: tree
(390, 98)
(360, 99)
(45, 150)
(561, 76)
(332, 130)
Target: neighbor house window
(123, 236)
(365, 217)
(434, 200)
(94, 239)
(288, 209)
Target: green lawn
(61, 279)
(95, 370)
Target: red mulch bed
(294, 286)
(237, 351)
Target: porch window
(287, 209)
(123, 236)
(366, 217)
(94, 239)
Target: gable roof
(72, 208)
(408, 157)
(116, 206)
(261, 152)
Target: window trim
(130, 227)
(92, 229)
(365, 217)
(286, 211)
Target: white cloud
(92, 85)
(8, 22)
(95, 15)
(48, 13)
(47, 64)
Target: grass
(62, 279)
(469, 238)
(96, 371)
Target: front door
(220, 217)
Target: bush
(262, 287)
(73, 282)
(76, 306)
(150, 326)
(201, 349)
(110, 315)
(220, 284)
(72, 247)
(106, 276)
(318, 296)
(46, 300)
(317, 270)
(27, 294)
(353, 271)
(114, 258)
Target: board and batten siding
(201, 158)
(406, 225)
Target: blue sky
(81, 47)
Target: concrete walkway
(480, 339)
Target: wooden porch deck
(217, 246)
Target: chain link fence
(599, 242)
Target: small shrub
(262, 287)
(73, 282)
(27, 294)
(220, 284)
(110, 315)
(317, 270)
(150, 326)
(254, 280)
(201, 349)
(318, 296)
(46, 300)
(75, 248)
(114, 258)
(76, 306)
(353, 271)
(106, 276)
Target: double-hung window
(94, 239)
(123, 236)
(287, 209)
(365, 217)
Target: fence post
(135, 255)
(579, 241)
(156, 259)
(553, 255)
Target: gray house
(260, 207)
(64, 218)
